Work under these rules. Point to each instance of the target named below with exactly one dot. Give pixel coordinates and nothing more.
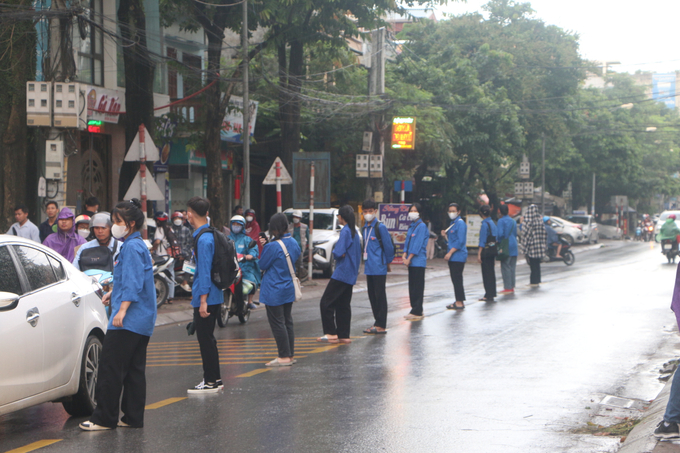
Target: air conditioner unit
(54, 159)
(66, 104)
(39, 103)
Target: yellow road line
(222, 352)
(35, 445)
(254, 372)
(164, 402)
(223, 360)
(199, 363)
(324, 348)
(231, 339)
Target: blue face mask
(236, 228)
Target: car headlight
(321, 252)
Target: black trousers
(535, 265)
(416, 289)
(378, 298)
(281, 323)
(205, 333)
(456, 271)
(489, 277)
(336, 312)
(121, 368)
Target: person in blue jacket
(278, 292)
(250, 250)
(336, 313)
(133, 316)
(487, 232)
(378, 254)
(415, 258)
(456, 234)
(507, 229)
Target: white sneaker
(89, 426)
(206, 388)
(185, 286)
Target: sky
(641, 35)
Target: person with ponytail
(336, 313)
(133, 316)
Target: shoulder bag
(296, 281)
(490, 249)
(504, 246)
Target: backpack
(224, 270)
(379, 238)
(490, 249)
(100, 258)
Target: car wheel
(162, 290)
(328, 273)
(223, 318)
(83, 403)
(568, 238)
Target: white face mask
(369, 217)
(453, 215)
(119, 231)
(296, 220)
(84, 233)
(249, 218)
(177, 222)
(413, 216)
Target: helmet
(546, 219)
(672, 216)
(161, 216)
(238, 219)
(83, 219)
(250, 212)
(101, 219)
(297, 213)
(177, 215)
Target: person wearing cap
(99, 253)
(250, 251)
(65, 240)
(83, 227)
(163, 241)
(300, 232)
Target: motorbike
(647, 232)
(567, 254)
(235, 303)
(105, 280)
(162, 278)
(669, 248)
(638, 234)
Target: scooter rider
(669, 230)
(100, 253)
(553, 239)
(246, 247)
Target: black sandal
(455, 307)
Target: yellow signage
(403, 133)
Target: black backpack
(490, 249)
(225, 268)
(100, 258)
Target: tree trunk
(289, 107)
(139, 77)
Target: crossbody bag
(296, 281)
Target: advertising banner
(663, 89)
(103, 104)
(474, 226)
(232, 126)
(394, 217)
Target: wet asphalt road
(511, 376)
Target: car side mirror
(8, 300)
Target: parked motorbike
(235, 303)
(669, 248)
(441, 247)
(162, 278)
(567, 254)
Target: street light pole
(245, 134)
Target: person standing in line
(487, 231)
(277, 292)
(300, 232)
(415, 258)
(65, 240)
(378, 254)
(133, 316)
(534, 238)
(23, 227)
(507, 229)
(457, 255)
(206, 298)
(336, 313)
(49, 226)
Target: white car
(53, 324)
(569, 231)
(326, 235)
(588, 225)
(662, 219)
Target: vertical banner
(474, 226)
(394, 217)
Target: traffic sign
(149, 149)
(270, 179)
(153, 192)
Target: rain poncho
(534, 236)
(253, 231)
(669, 230)
(65, 243)
(250, 269)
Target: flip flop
(455, 307)
(325, 339)
(374, 331)
(344, 340)
(275, 363)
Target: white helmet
(297, 213)
(238, 219)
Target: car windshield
(583, 220)
(321, 221)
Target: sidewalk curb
(641, 439)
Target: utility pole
(592, 204)
(543, 178)
(376, 87)
(245, 135)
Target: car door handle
(75, 298)
(32, 316)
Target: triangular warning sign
(149, 148)
(270, 179)
(153, 192)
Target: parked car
(608, 229)
(569, 231)
(326, 235)
(588, 225)
(53, 324)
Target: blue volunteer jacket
(133, 282)
(203, 284)
(507, 229)
(277, 284)
(377, 261)
(416, 243)
(347, 266)
(484, 231)
(457, 237)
